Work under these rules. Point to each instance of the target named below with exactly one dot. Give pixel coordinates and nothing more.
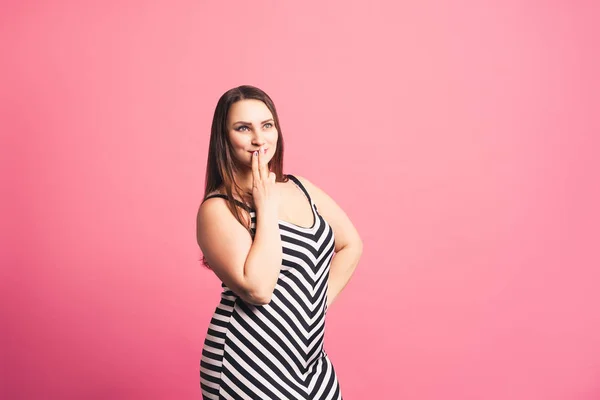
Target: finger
(272, 177)
(255, 171)
(261, 165)
(264, 162)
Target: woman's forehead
(249, 110)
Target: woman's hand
(265, 192)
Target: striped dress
(275, 351)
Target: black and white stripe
(275, 351)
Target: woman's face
(251, 127)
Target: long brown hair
(221, 165)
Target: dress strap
(301, 186)
(224, 196)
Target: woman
(271, 240)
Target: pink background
(461, 137)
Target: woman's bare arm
(248, 267)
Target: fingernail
(256, 153)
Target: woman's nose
(258, 139)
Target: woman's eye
(268, 125)
(242, 128)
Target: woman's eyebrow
(250, 123)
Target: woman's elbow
(258, 298)
(357, 246)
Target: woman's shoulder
(212, 199)
(318, 195)
(303, 180)
(215, 209)
(220, 201)
(215, 193)
(295, 178)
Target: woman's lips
(252, 151)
